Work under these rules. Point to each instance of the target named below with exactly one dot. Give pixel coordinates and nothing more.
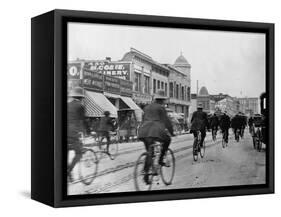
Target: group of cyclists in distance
(156, 126)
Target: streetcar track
(131, 164)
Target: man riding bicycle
(75, 125)
(156, 126)
(105, 126)
(225, 125)
(214, 123)
(237, 124)
(199, 122)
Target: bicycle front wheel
(167, 171)
(88, 166)
(113, 150)
(139, 174)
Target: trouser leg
(203, 135)
(77, 157)
(165, 145)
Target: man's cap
(77, 92)
(200, 105)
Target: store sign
(92, 80)
(111, 84)
(142, 98)
(73, 70)
(115, 69)
(126, 87)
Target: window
(162, 85)
(166, 89)
(154, 85)
(182, 93)
(146, 84)
(137, 81)
(177, 91)
(171, 89)
(188, 93)
(158, 84)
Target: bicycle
(224, 143)
(214, 134)
(87, 164)
(112, 149)
(197, 148)
(257, 139)
(237, 135)
(166, 172)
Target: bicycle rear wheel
(202, 149)
(139, 174)
(113, 150)
(195, 150)
(167, 171)
(88, 166)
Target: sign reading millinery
(92, 80)
(126, 87)
(73, 70)
(115, 69)
(111, 84)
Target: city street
(237, 164)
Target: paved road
(238, 164)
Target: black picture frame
(49, 61)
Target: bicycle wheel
(139, 173)
(113, 150)
(202, 150)
(195, 150)
(167, 172)
(88, 166)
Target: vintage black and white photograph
(154, 108)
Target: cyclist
(105, 126)
(250, 124)
(156, 126)
(237, 124)
(214, 123)
(76, 124)
(225, 125)
(199, 121)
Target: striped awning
(96, 104)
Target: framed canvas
(134, 108)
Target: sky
(225, 62)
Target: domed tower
(203, 91)
(182, 64)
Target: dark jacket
(105, 125)
(199, 121)
(75, 120)
(214, 121)
(155, 122)
(225, 122)
(237, 122)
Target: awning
(134, 106)
(96, 104)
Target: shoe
(162, 163)
(146, 179)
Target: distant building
(206, 100)
(228, 104)
(249, 105)
(179, 86)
